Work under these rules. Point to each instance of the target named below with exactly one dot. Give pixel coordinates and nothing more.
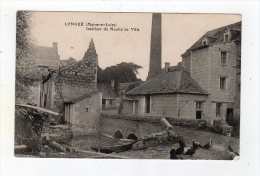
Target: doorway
(229, 116)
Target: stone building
(206, 84)
(110, 98)
(83, 112)
(214, 63)
(171, 93)
(70, 82)
(125, 87)
(43, 58)
(47, 56)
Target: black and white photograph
(129, 88)
(128, 85)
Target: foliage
(28, 127)
(121, 73)
(25, 76)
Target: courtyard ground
(217, 152)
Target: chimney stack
(155, 66)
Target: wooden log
(19, 149)
(166, 123)
(56, 146)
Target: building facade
(171, 93)
(83, 112)
(43, 58)
(70, 82)
(205, 85)
(214, 62)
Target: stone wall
(172, 105)
(70, 82)
(141, 126)
(200, 67)
(206, 69)
(187, 106)
(34, 97)
(218, 70)
(86, 115)
(164, 104)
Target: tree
(25, 76)
(121, 73)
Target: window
(199, 109)
(103, 101)
(205, 42)
(226, 37)
(223, 58)
(111, 102)
(45, 100)
(222, 83)
(148, 104)
(218, 109)
(87, 110)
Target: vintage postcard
(128, 85)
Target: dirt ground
(218, 151)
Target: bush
(201, 125)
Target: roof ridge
(210, 31)
(224, 26)
(144, 83)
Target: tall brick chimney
(156, 47)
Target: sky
(179, 32)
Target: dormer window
(204, 42)
(226, 37)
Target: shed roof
(74, 100)
(177, 81)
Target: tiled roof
(217, 35)
(178, 81)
